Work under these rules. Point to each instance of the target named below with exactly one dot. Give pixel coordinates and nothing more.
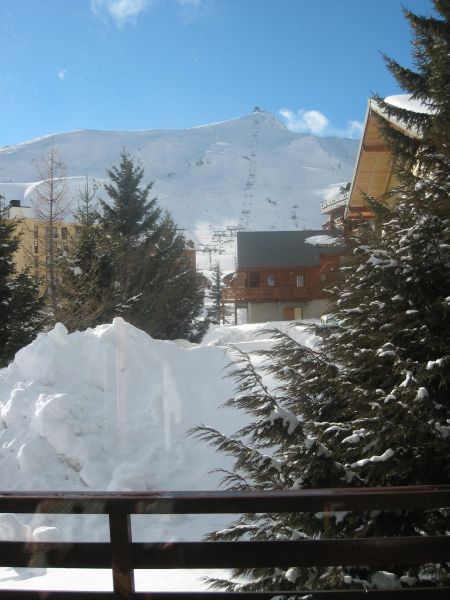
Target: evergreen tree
(87, 273)
(155, 286)
(370, 405)
(132, 214)
(21, 316)
(424, 158)
(216, 309)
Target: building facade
(33, 252)
(282, 275)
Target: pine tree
(155, 287)
(21, 316)
(132, 214)
(88, 268)
(370, 404)
(216, 309)
(424, 158)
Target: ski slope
(247, 173)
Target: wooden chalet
(374, 170)
(280, 276)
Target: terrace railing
(270, 294)
(122, 555)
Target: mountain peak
(248, 173)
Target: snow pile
(108, 409)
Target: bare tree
(51, 208)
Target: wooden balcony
(122, 555)
(271, 294)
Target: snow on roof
(407, 103)
(323, 240)
(404, 102)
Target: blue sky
(146, 64)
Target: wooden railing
(122, 555)
(271, 294)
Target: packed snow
(109, 409)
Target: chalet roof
(403, 102)
(257, 249)
(373, 174)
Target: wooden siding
(244, 288)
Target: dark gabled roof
(257, 249)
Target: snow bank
(108, 409)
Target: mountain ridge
(249, 172)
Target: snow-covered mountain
(250, 172)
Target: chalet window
(36, 232)
(300, 280)
(36, 246)
(271, 280)
(64, 233)
(253, 280)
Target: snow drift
(108, 409)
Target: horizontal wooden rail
(402, 594)
(212, 502)
(271, 294)
(214, 555)
(123, 556)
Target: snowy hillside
(250, 172)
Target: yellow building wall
(34, 245)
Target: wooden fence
(122, 555)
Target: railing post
(121, 554)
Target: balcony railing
(337, 201)
(122, 555)
(270, 294)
